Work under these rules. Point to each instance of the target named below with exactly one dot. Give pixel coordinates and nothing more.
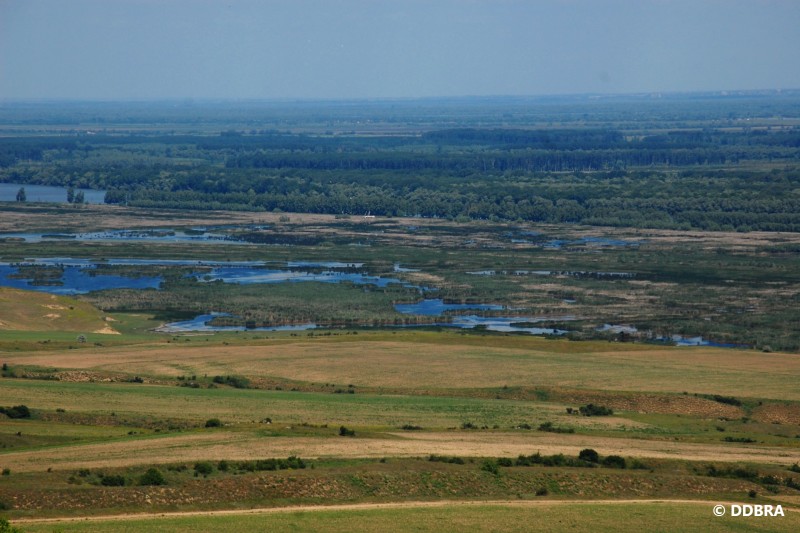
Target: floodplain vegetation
(378, 419)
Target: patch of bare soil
(653, 403)
(108, 330)
(777, 413)
(83, 376)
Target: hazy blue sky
(123, 49)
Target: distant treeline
(744, 179)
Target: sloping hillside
(35, 311)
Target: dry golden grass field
(419, 360)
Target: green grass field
(559, 517)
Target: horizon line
(188, 100)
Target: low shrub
(490, 466)
(213, 423)
(738, 472)
(551, 460)
(290, 463)
(550, 428)
(237, 382)
(614, 461)
(746, 440)
(445, 459)
(113, 481)
(728, 400)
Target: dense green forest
(706, 162)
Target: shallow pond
(201, 323)
(249, 275)
(437, 307)
(74, 279)
(194, 235)
(677, 340)
(79, 276)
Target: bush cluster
(290, 463)
(446, 459)
(237, 382)
(18, 411)
(595, 410)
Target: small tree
(21, 196)
(203, 468)
(79, 198)
(589, 455)
(153, 476)
(5, 527)
(70, 194)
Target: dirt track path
(370, 506)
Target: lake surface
(45, 193)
